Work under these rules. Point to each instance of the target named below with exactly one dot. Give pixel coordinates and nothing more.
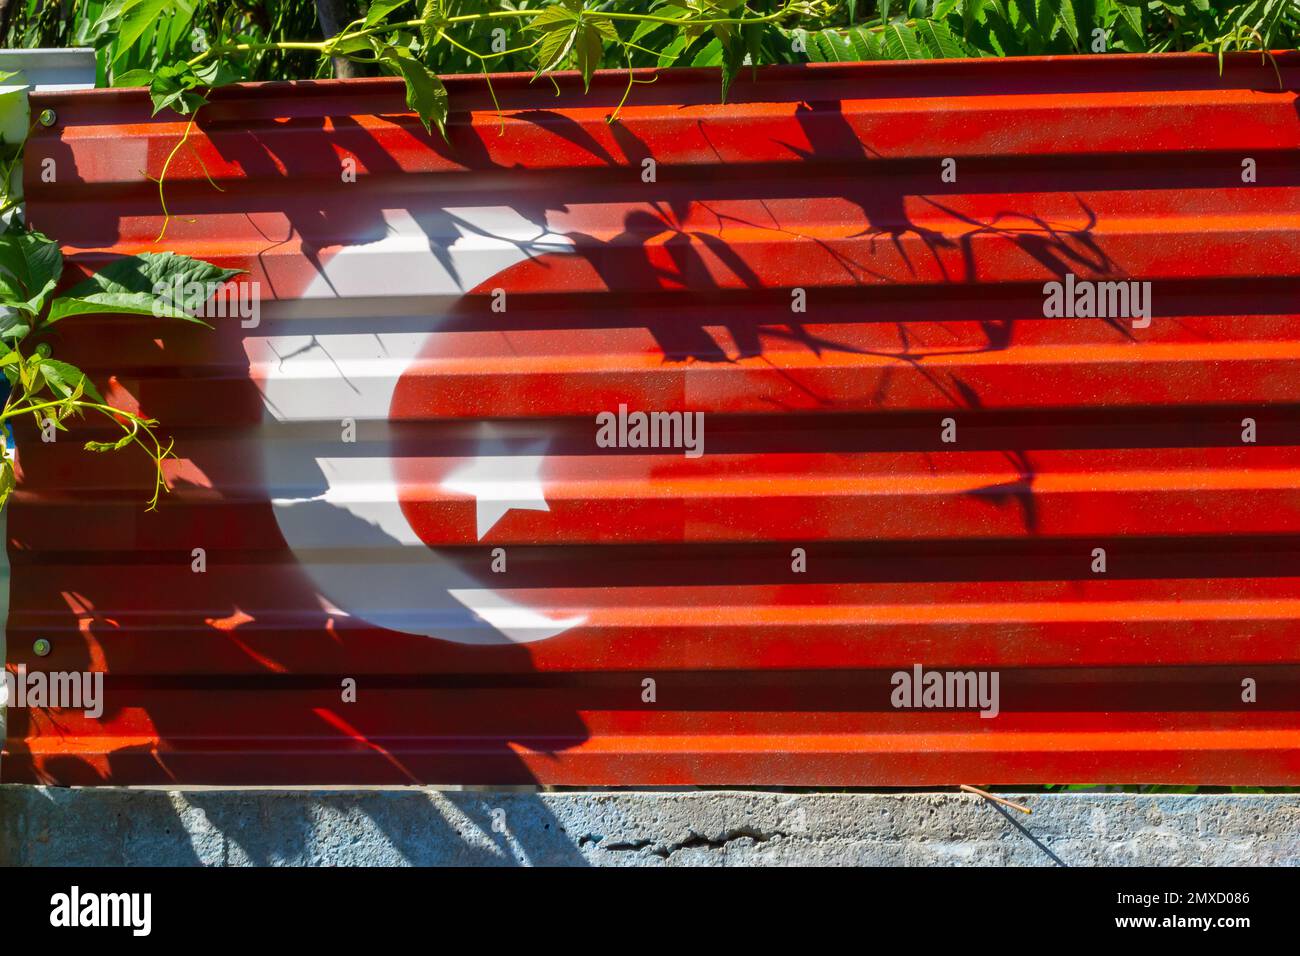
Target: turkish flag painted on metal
(394, 475)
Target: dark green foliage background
(845, 30)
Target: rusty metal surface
(372, 560)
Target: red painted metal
(924, 301)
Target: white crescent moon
(319, 362)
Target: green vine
(53, 391)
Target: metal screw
(48, 117)
(41, 647)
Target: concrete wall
(46, 826)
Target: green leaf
(118, 303)
(1131, 12)
(866, 45)
(30, 266)
(66, 379)
(588, 48)
(560, 26)
(939, 41)
(8, 480)
(670, 11)
(732, 60)
(133, 78)
(183, 101)
(148, 270)
(218, 73)
(1063, 12)
(176, 86)
(554, 18)
(145, 284)
(753, 36)
(901, 43)
(668, 56)
(709, 55)
(433, 22)
(830, 47)
(358, 44)
(557, 13)
(380, 9)
(604, 28)
(13, 328)
(135, 18)
(995, 31)
(425, 93)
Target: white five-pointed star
(499, 483)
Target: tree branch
(334, 16)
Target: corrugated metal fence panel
(471, 308)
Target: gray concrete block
(417, 827)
